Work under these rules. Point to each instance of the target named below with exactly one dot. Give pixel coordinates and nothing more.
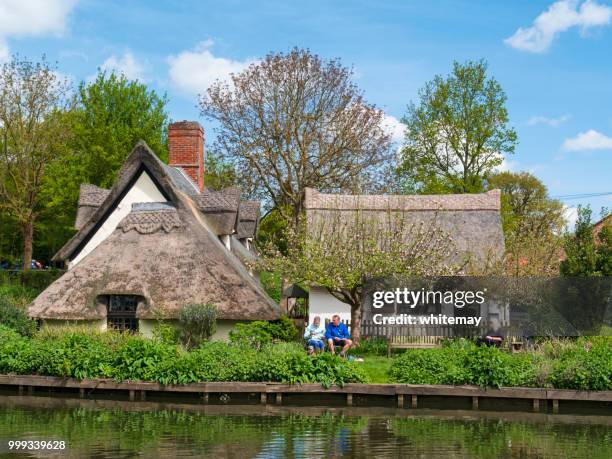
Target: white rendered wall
(143, 190)
(321, 303)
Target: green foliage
(141, 359)
(487, 366)
(272, 284)
(111, 115)
(370, 346)
(15, 317)
(585, 365)
(35, 281)
(258, 333)
(81, 353)
(457, 133)
(587, 255)
(198, 323)
(218, 174)
(283, 329)
(251, 334)
(428, 366)
(272, 230)
(166, 333)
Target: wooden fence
(417, 336)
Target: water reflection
(109, 429)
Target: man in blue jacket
(337, 334)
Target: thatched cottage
(156, 241)
(473, 221)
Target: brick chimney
(186, 150)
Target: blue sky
(553, 59)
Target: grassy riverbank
(584, 364)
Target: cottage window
(122, 312)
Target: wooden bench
(412, 342)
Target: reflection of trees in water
(497, 438)
(177, 432)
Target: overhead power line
(567, 197)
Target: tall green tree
(588, 254)
(34, 133)
(111, 115)
(218, 173)
(457, 132)
(533, 224)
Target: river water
(112, 429)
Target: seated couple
(336, 334)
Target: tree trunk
(356, 322)
(28, 238)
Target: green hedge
(584, 364)
(82, 354)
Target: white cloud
(507, 166)
(395, 128)
(552, 122)
(589, 140)
(19, 18)
(571, 215)
(559, 17)
(126, 65)
(195, 70)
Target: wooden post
(536, 405)
(400, 400)
(81, 393)
(263, 398)
(279, 398)
(474, 403)
(132, 395)
(30, 390)
(143, 395)
(413, 401)
(20, 389)
(555, 406)
(349, 399)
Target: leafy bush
(487, 366)
(134, 358)
(585, 365)
(251, 334)
(141, 359)
(428, 366)
(588, 365)
(166, 333)
(370, 346)
(283, 329)
(15, 317)
(258, 333)
(198, 324)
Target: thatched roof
(90, 198)
(248, 219)
(220, 208)
(472, 220)
(168, 253)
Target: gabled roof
(220, 208)
(140, 159)
(90, 198)
(168, 253)
(248, 219)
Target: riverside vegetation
(268, 351)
